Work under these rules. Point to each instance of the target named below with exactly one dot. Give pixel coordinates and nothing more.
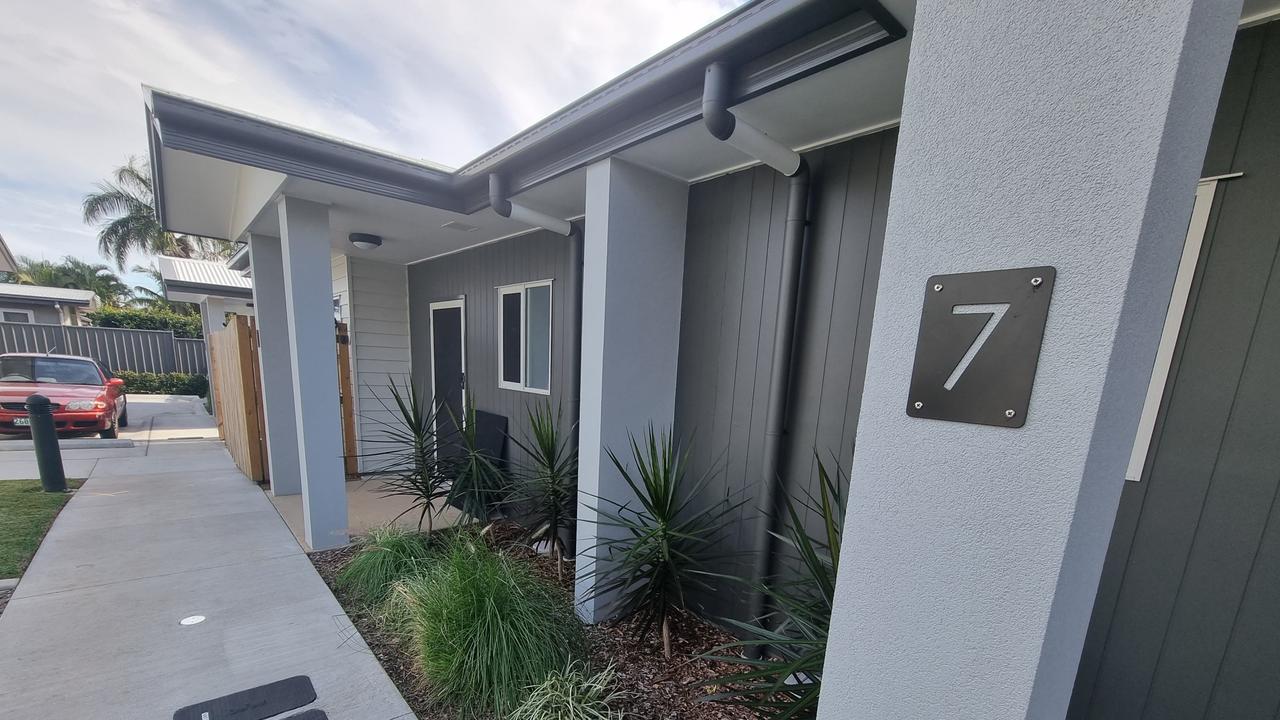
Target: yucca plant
(655, 548)
(782, 654)
(485, 626)
(546, 484)
(404, 456)
(573, 693)
(477, 482)
(386, 555)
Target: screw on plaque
(919, 404)
(937, 288)
(1009, 413)
(1035, 281)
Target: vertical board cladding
(1184, 623)
(733, 260)
(475, 275)
(375, 306)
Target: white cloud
(434, 79)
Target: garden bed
(657, 688)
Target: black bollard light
(45, 439)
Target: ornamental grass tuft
(485, 627)
(386, 555)
(573, 693)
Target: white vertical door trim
(1196, 230)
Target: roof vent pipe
(520, 213)
(725, 126)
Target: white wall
(375, 306)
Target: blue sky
(440, 80)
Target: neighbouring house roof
(7, 263)
(184, 278)
(770, 43)
(51, 295)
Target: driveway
(166, 530)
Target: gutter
(725, 126)
(769, 43)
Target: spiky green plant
(655, 548)
(486, 627)
(573, 693)
(386, 555)
(403, 456)
(546, 484)
(477, 482)
(781, 670)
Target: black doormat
(254, 703)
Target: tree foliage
(123, 209)
(76, 274)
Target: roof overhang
(186, 280)
(37, 299)
(770, 43)
(7, 263)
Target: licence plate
(21, 422)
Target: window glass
(16, 316)
(49, 370)
(538, 337)
(511, 337)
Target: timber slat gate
(237, 386)
(156, 351)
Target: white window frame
(31, 317)
(1206, 190)
(521, 289)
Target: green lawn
(25, 514)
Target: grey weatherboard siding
(1186, 624)
(733, 252)
(476, 274)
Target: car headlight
(79, 405)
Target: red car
(84, 396)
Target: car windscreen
(49, 370)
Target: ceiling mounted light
(365, 241)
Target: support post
(633, 271)
(308, 290)
(276, 364)
(1068, 135)
(212, 316)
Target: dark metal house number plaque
(979, 345)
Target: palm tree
(147, 297)
(123, 208)
(74, 273)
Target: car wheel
(124, 416)
(110, 433)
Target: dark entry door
(448, 360)
(1186, 625)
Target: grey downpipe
(724, 126)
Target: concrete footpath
(162, 531)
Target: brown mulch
(4, 599)
(657, 688)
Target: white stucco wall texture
(1063, 134)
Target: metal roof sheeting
(51, 294)
(208, 273)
